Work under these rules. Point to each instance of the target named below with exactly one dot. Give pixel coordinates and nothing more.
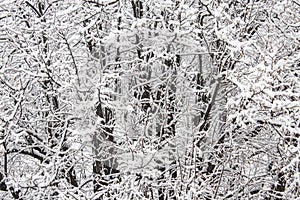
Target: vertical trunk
(166, 97)
(104, 164)
(137, 8)
(55, 133)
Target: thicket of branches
(136, 99)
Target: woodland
(149, 99)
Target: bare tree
(138, 99)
